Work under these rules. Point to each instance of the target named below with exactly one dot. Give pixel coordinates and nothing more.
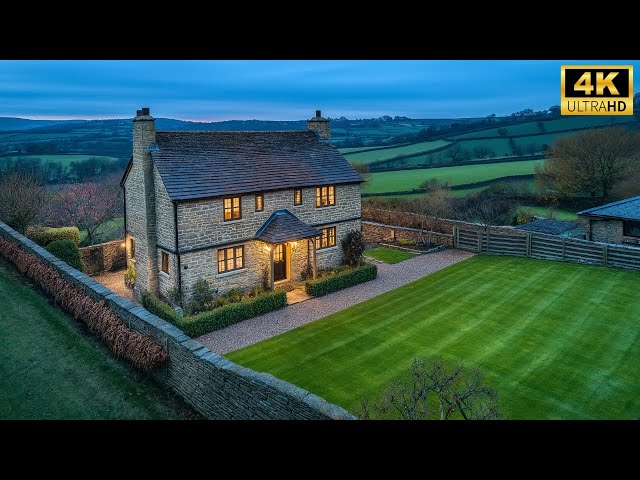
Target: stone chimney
(320, 125)
(142, 224)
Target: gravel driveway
(270, 324)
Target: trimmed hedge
(67, 251)
(135, 347)
(217, 318)
(43, 236)
(347, 278)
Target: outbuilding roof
(628, 209)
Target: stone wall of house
(140, 204)
(104, 257)
(201, 223)
(211, 384)
(606, 231)
(166, 235)
(380, 233)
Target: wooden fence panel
(547, 247)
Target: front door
(280, 262)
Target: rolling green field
(549, 125)
(555, 340)
(63, 159)
(374, 155)
(51, 369)
(401, 180)
(388, 255)
(558, 213)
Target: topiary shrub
(67, 251)
(43, 236)
(344, 279)
(353, 246)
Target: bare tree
(432, 207)
(433, 390)
(594, 161)
(481, 151)
(489, 210)
(454, 152)
(21, 200)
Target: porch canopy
(283, 226)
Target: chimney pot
(138, 113)
(318, 113)
(145, 111)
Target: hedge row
(217, 318)
(135, 347)
(68, 252)
(43, 236)
(333, 283)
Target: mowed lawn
(388, 255)
(402, 180)
(556, 340)
(51, 369)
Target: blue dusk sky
(279, 89)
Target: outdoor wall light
(267, 248)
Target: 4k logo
(596, 90)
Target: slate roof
(550, 227)
(284, 226)
(628, 209)
(195, 165)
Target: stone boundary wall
(379, 233)
(104, 257)
(211, 384)
(399, 218)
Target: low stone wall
(211, 384)
(104, 257)
(379, 233)
(412, 221)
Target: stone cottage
(617, 222)
(239, 209)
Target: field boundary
(546, 247)
(213, 385)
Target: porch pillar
(314, 266)
(272, 273)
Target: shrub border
(348, 278)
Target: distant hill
(13, 123)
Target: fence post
(456, 239)
(488, 239)
(605, 255)
(479, 241)
(528, 246)
(564, 242)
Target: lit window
(328, 238)
(230, 259)
(325, 196)
(259, 202)
(232, 210)
(297, 196)
(165, 262)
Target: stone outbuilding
(617, 222)
(237, 208)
